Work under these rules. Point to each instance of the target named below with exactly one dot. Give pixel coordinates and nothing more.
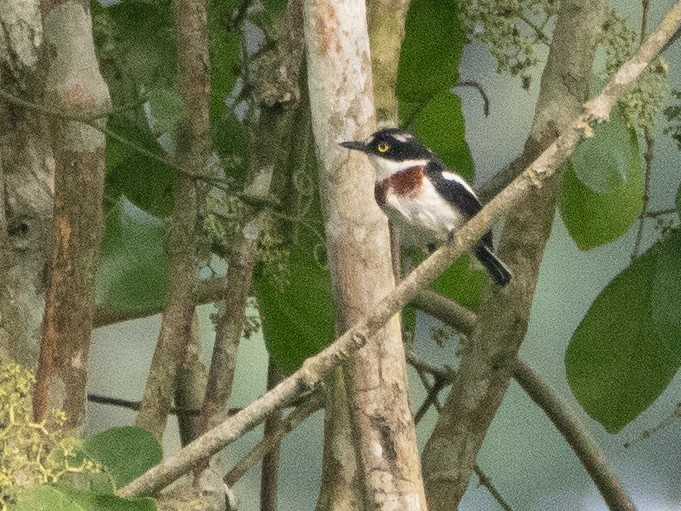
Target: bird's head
(392, 150)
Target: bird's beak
(354, 144)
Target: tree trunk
(73, 85)
(358, 242)
(486, 368)
(26, 187)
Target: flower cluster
(32, 453)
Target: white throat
(386, 168)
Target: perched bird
(428, 200)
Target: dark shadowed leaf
(145, 181)
(440, 125)
(431, 51)
(628, 346)
(125, 452)
(297, 321)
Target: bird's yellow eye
(383, 147)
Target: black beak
(354, 144)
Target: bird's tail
(492, 264)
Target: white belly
(424, 219)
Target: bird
(428, 200)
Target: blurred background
(525, 457)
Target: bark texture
(386, 20)
(73, 84)
(358, 246)
(193, 146)
(486, 367)
(26, 186)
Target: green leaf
(146, 182)
(462, 282)
(275, 6)
(431, 51)
(125, 452)
(678, 200)
(627, 348)
(133, 270)
(62, 498)
(666, 295)
(440, 125)
(593, 218)
(166, 108)
(609, 158)
(297, 321)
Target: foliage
(32, 454)
(627, 348)
(511, 30)
(602, 194)
(673, 115)
(644, 99)
(41, 468)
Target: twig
(475, 85)
(295, 418)
(647, 433)
(94, 121)
(587, 450)
(660, 212)
(489, 486)
(314, 368)
(135, 405)
(648, 159)
(443, 376)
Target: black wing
(455, 193)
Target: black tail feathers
(493, 265)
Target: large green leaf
(133, 270)
(297, 321)
(125, 452)
(440, 125)
(594, 218)
(63, 498)
(628, 346)
(431, 51)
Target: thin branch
(314, 403)
(660, 212)
(648, 166)
(316, 367)
(586, 448)
(475, 85)
(645, 14)
(444, 376)
(489, 486)
(95, 121)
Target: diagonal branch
(314, 368)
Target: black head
(392, 144)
